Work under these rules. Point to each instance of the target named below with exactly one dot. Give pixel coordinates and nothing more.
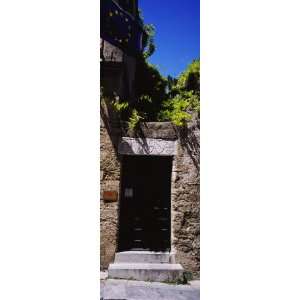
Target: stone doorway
(145, 203)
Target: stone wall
(186, 199)
(185, 191)
(110, 180)
(117, 74)
(185, 208)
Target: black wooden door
(145, 203)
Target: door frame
(151, 147)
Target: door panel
(145, 203)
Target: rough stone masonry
(185, 187)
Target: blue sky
(177, 37)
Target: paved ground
(116, 289)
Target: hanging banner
(121, 29)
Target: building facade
(149, 176)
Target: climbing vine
(184, 97)
(159, 98)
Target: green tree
(150, 44)
(189, 80)
(159, 98)
(150, 89)
(184, 97)
(150, 85)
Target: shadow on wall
(189, 137)
(117, 128)
(111, 123)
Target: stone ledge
(148, 146)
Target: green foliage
(150, 85)
(149, 42)
(150, 45)
(179, 109)
(159, 98)
(184, 96)
(134, 119)
(150, 89)
(120, 106)
(162, 99)
(145, 98)
(171, 83)
(189, 80)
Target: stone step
(144, 257)
(146, 272)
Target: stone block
(148, 146)
(143, 257)
(146, 272)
